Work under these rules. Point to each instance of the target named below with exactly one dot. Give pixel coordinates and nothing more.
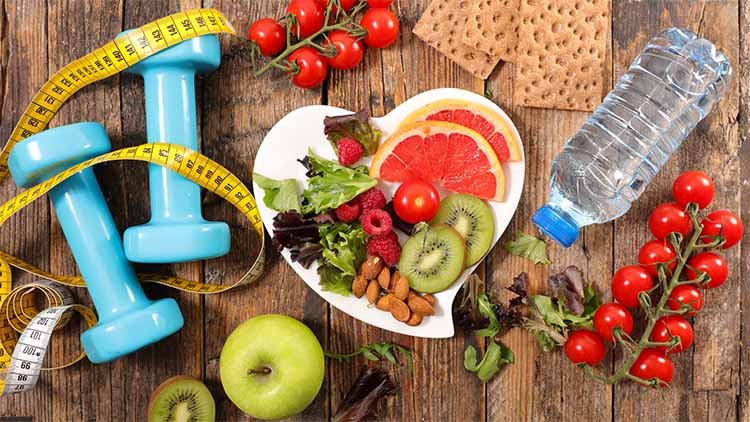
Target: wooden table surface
(38, 37)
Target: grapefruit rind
(501, 125)
(428, 128)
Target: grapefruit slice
(476, 117)
(440, 152)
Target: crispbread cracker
(561, 53)
(492, 27)
(442, 26)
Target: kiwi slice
(181, 399)
(432, 258)
(472, 218)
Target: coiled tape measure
(21, 356)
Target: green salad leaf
(333, 280)
(280, 195)
(343, 253)
(356, 126)
(529, 247)
(495, 357)
(332, 184)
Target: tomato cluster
(646, 285)
(315, 35)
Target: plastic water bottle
(608, 163)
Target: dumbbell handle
(96, 245)
(170, 91)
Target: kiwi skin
(210, 407)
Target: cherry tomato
(675, 325)
(653, 364)
(269, 35)
(416, 200)
(668, 218)
(382, 27)
(584, 346)
(349, 50)
(309, 14)
(693, 186)
(312, 67)
(628, 282)
(713, 265)
(374, 4)
(610, 316)
(656, 252)
(345, 4)
(725, 223)
(688, 295)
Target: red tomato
(269, 35)
(628, 282)
(374, 4)
(653, 364)
(656, 252)
(713, 265)
(416, 200)
(688, 295)
(584, 346)
(723, 223)
(310, 17)
(610, 316)
(312, 67)
(349, 50)
(675, 325)
(381, 26)
(693, 186)
(669, 218)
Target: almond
(384, 304)
(399, 310)
(371, 267)
(429, 298)
(394, 278)
(421, 306)
(373, 291)
(384, 279)
(415, 319)
(359, 285)
(401, 288)
(412, 294)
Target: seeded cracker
(442, 26)
(561, 53)
(492, 27)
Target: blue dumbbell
(177, 231)
(128, 320)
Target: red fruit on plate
(386, 247)
(349, 151)
(348, 212)
(372, 199)
(376, 222)
(415, 201)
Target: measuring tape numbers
(21, 356)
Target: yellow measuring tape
(17, 311)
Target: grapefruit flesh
(477, 117)
(458, 158)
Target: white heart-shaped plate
(301, 129)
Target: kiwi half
(472, 218)
(432, 258)
(181, 399)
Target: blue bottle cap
(555, 225)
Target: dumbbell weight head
(128, 320)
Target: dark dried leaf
(360, 402)
(569, 285)
(299, 235)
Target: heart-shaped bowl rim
(289, 140)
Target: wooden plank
(743, 76)
(545, 386)
(711, 148)
(88, 387)
(238, 109)
(137, 375)
(24, 40)
(385, 79)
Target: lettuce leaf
(332, 184)
(343, 246)
(529, 247)
(279, 195)
(334, 281)
(356, 126)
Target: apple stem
(261, 371)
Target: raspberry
(348, 212)
(372, 199)
(350, 151)
(376, 222)
(385, 246)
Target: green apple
(272, 367)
